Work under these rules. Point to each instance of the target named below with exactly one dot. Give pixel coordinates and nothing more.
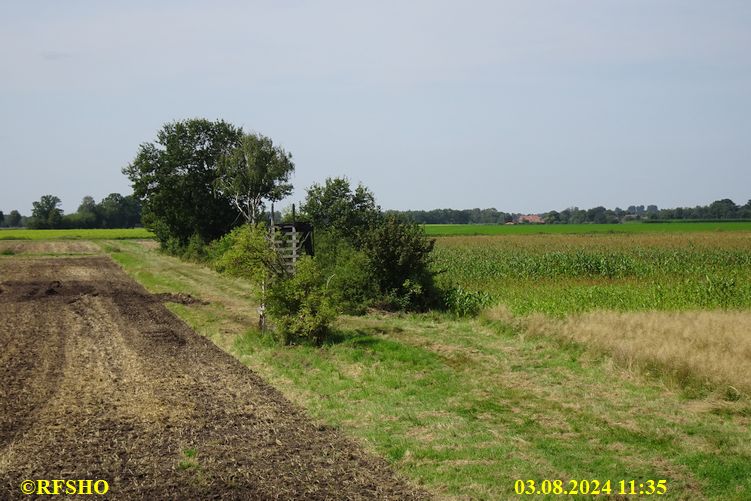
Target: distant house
(531, 218)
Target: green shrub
(399, 256)
(246, 252)
(216, 250)
(195, 250)
(390, 269)
(386, 261)
(300, 305)
(349, 278)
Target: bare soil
(98, 380)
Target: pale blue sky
(524, 105)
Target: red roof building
(531, 218)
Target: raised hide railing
(293, 240)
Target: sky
(525, 106)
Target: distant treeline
(721, 210)
(457, 216)
(13, 219)
(113, 211)
(118, 211)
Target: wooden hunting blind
(293, 240)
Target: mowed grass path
(547, 229)
(466, 407)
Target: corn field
(570, 274)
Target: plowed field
(98, 380)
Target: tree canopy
(252, 172)
(174, 178)
(46, 213)
(384, 258)
(335, 207)
(14, 218)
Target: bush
(375, 259)
(300, 306)
(195, 250)
(245, 252)
(399, 255)
(390, 269)
(347, 271)
(216, 250)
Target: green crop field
(102, 234)
(532, 229)
(564, 274)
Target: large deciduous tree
(174, 178)
(46, 213)
(253, 172)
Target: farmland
(100, 381)
(563, 274)
(673, 304)
(555, 379)
(464, 407)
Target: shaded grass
(467, 407)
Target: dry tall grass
(705, 347)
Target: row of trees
(457, 216)
(724, 209)
(113, 211)
(13, 219)
(719, 209)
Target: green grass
(466, 407)
(99, 234)
(533, 229)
